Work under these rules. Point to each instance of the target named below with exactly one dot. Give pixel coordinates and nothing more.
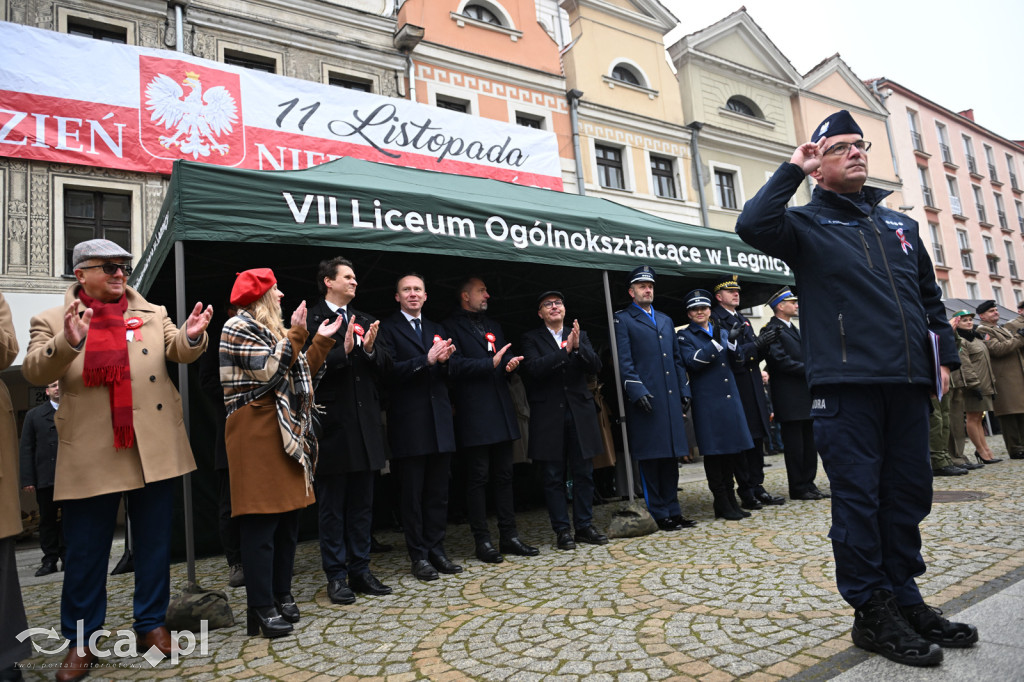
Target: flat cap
(96, 248)
(550, 292)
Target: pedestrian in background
(38, 465)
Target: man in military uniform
(1006, 348)
(750, 350)
(654, 379)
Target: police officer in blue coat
(654, 378)
(718, 416)
(749, 351)
(857, 262)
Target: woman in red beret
(268, 392)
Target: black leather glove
(768, 336)
(686, 404)
(735, 332)
(644, 403)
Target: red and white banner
(76, 100)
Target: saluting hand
(75, 327)
(808, 156)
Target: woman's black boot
(287, 607)
(267, 620)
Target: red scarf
(106, 363)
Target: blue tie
(419, 329)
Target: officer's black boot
(879, 626)
(724, 508)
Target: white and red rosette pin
(437, 337)
(491, 338)
(358, 331)
(134, 327)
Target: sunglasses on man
(111, 268)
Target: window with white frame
(979, 203)
(725, 188)
(947, 153)
(965, 250)
(349, 83)
(972, 290)
(944, 287)
(529, 121)
(1000, 211)
(954, 195)
(250, 60)
(610, 170)
(1011, 166)
(972, 163)
(990, 255)
(915, 131)
(452, 104)
(938, 255)
(1020, 214)
(991, 160)
(1011, 261)
(997, 294)
(926, 186)
(1018, 296)
(663, 177)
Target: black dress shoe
(486, 553)
(971, 466)
(367, 583)
(47, 568)
(422, 570)
(1017, 455)
(591, 536)
(809, 495)
(824, 495)
(340, 593)
(443, 564)
(750, 503)
(267, 620)
(514, 545)
(766, 498)
(286, 606)
(667, 524)
(682, 521)
(564, 541)
(949, 470)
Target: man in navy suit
(485, 420)
(654, 378)
(352, 437)
(420, 427)
(564, 431)
(38, 464)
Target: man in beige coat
(120, 429)
(1006, 348)
(12, 611)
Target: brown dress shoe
(76, 664)
(160, 638)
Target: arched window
(742, 105)
(481, 13)
(625, 74)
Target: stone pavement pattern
(752, 599)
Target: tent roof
(351, 203)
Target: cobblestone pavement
(752, 599)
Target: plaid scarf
(106, 363)
(253, 362)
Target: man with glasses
(564, 431)
(120, 429)
(857, 262)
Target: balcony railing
(1002, 220)
(947, 156)
(972, 165)
(1013, 181)
(1020, 221)
(982, 218)
(993, 176)
(938, 255)
(1013, 269)
(927, 193)
(915, 138)
(993, 264)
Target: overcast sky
(961, 55)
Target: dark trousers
(582, 471)
(873, 441)
(12, 609)
(660, 481)
(230, 537)
(718, 469)
(423, 501)
(801, 456)
(268, 544)
(51, 538)
(749, 470)
(489, 463)
(345, 504)
(88, 534)
(1012, 426)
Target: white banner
(77, 100)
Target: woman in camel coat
(268, 392)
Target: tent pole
(186, 480)
(618, 383)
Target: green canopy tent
(390, 220)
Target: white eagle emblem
(197, 119)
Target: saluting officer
(654, 378)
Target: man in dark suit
(485, 421)
(654, 379)
(420, 428)
(750, 350)
(564, 431)
(351, 438)
(791, 398)
(38, 464)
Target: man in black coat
(420, 428)
(564, 431)
(351, 437)
(791, 397)
(750, 350)
(38, 455)
(485, 420)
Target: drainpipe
(406, 38)
(179, 31)
(882, 96)
(574, 97)
(698, 169)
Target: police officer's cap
(731, 284)
(698, 298)
(548, 294)
(839, 123)
(644, 273)
(987, 305)
(783, 294)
